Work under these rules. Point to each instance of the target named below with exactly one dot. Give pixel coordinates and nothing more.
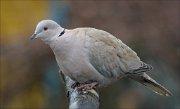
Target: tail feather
(151, 84)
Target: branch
(87, 99)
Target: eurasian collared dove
(95, 56)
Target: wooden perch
(87, 99)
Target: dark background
(29, 73)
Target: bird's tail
(151, 84)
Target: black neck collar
(62, 33)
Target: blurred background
(29, 74)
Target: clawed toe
(75, 84)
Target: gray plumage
(89, 54)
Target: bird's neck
(49, 41)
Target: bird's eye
(45, 28)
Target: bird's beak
(33, 36)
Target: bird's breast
(70, 57)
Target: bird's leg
(87, 86)
(75, 84)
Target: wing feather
(110, 56)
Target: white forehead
(46, 23)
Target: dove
(94, 58)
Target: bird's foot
(75, 84)
(87, 86)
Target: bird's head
(46, 30)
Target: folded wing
(110, 56)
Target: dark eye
(45, 28)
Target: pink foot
(75, 84)
(88, 86)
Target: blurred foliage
(29, 74)
(17, 16)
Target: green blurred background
(29, 74)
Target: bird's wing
(110, 56)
